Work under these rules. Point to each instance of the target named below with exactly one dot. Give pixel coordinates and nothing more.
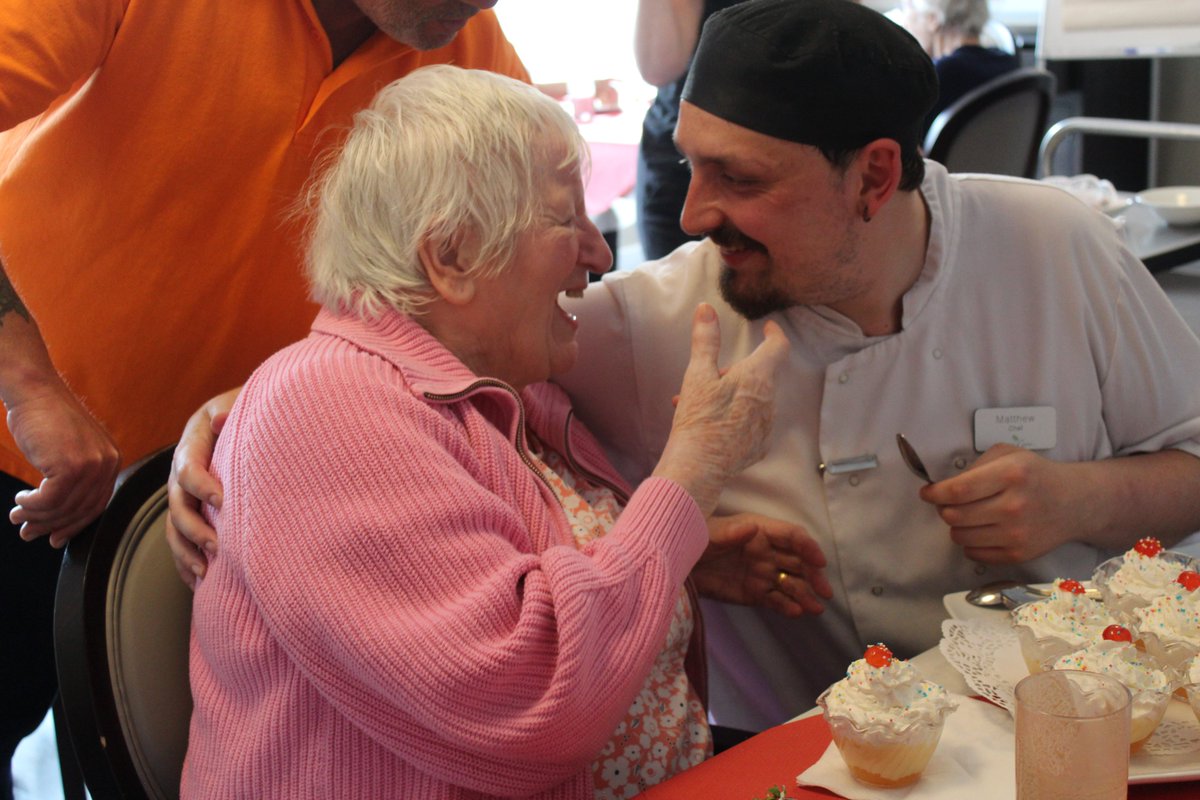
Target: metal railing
(1110, 127)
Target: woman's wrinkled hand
(723, 418)
(189, 535)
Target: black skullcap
(828, 73)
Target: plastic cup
(1072, 736)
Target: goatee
(751, 303)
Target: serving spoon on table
(992, 594)
(1010, 594)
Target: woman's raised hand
(723, 418)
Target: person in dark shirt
(664, 38)
(950, 31)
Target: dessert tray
(982, 645)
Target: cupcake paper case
(1170, 624)
(1149, 685)
(1191, 685)
(885, 719)
(1134, 579)
(1062, 623)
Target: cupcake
(885, 719)
(1170, 625)
(1149, 684)
(1133, 580)
(1064, 622)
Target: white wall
(561, 40)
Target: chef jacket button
(854, 480)
(960, 463)
(844, 377)
(980, 569)
(877, 590)
(937, 352)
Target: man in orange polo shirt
(151, 155)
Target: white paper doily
(988, 656)
(979, 650)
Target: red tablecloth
(772, 758)
(776, 756)
(614, 171)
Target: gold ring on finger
(780, 578)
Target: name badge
(1031, 427)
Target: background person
(665, 35)
(483, 606)
(149, 154)
(947, 308)
(950, 32)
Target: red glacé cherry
(1117, 633)
(1074, 587)
(1189, 580)
(1149, 546)
(878, 655)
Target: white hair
(443, 155)
(964, 16)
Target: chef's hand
(744, 559)
(1013, 505)
(189, 535)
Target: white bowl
(1177, 205)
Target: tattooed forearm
(10, 303)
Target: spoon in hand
(911, 459)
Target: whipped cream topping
(1145, 576)
(893, 697)
(1121, 660)
(1074, 618)
(1172, 617)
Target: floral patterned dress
(665, 730)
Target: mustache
(730, 238)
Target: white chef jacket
(1027, 298)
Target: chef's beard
(751, 301)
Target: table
(776, 756)
(1160, 246)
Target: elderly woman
(951, 32)
(431, 584)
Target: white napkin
(973, 759)
(1096, 192)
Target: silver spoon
(992, 594)
(911, 459)
(1011, 594)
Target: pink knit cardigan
(398, 609)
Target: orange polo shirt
(152, 153)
